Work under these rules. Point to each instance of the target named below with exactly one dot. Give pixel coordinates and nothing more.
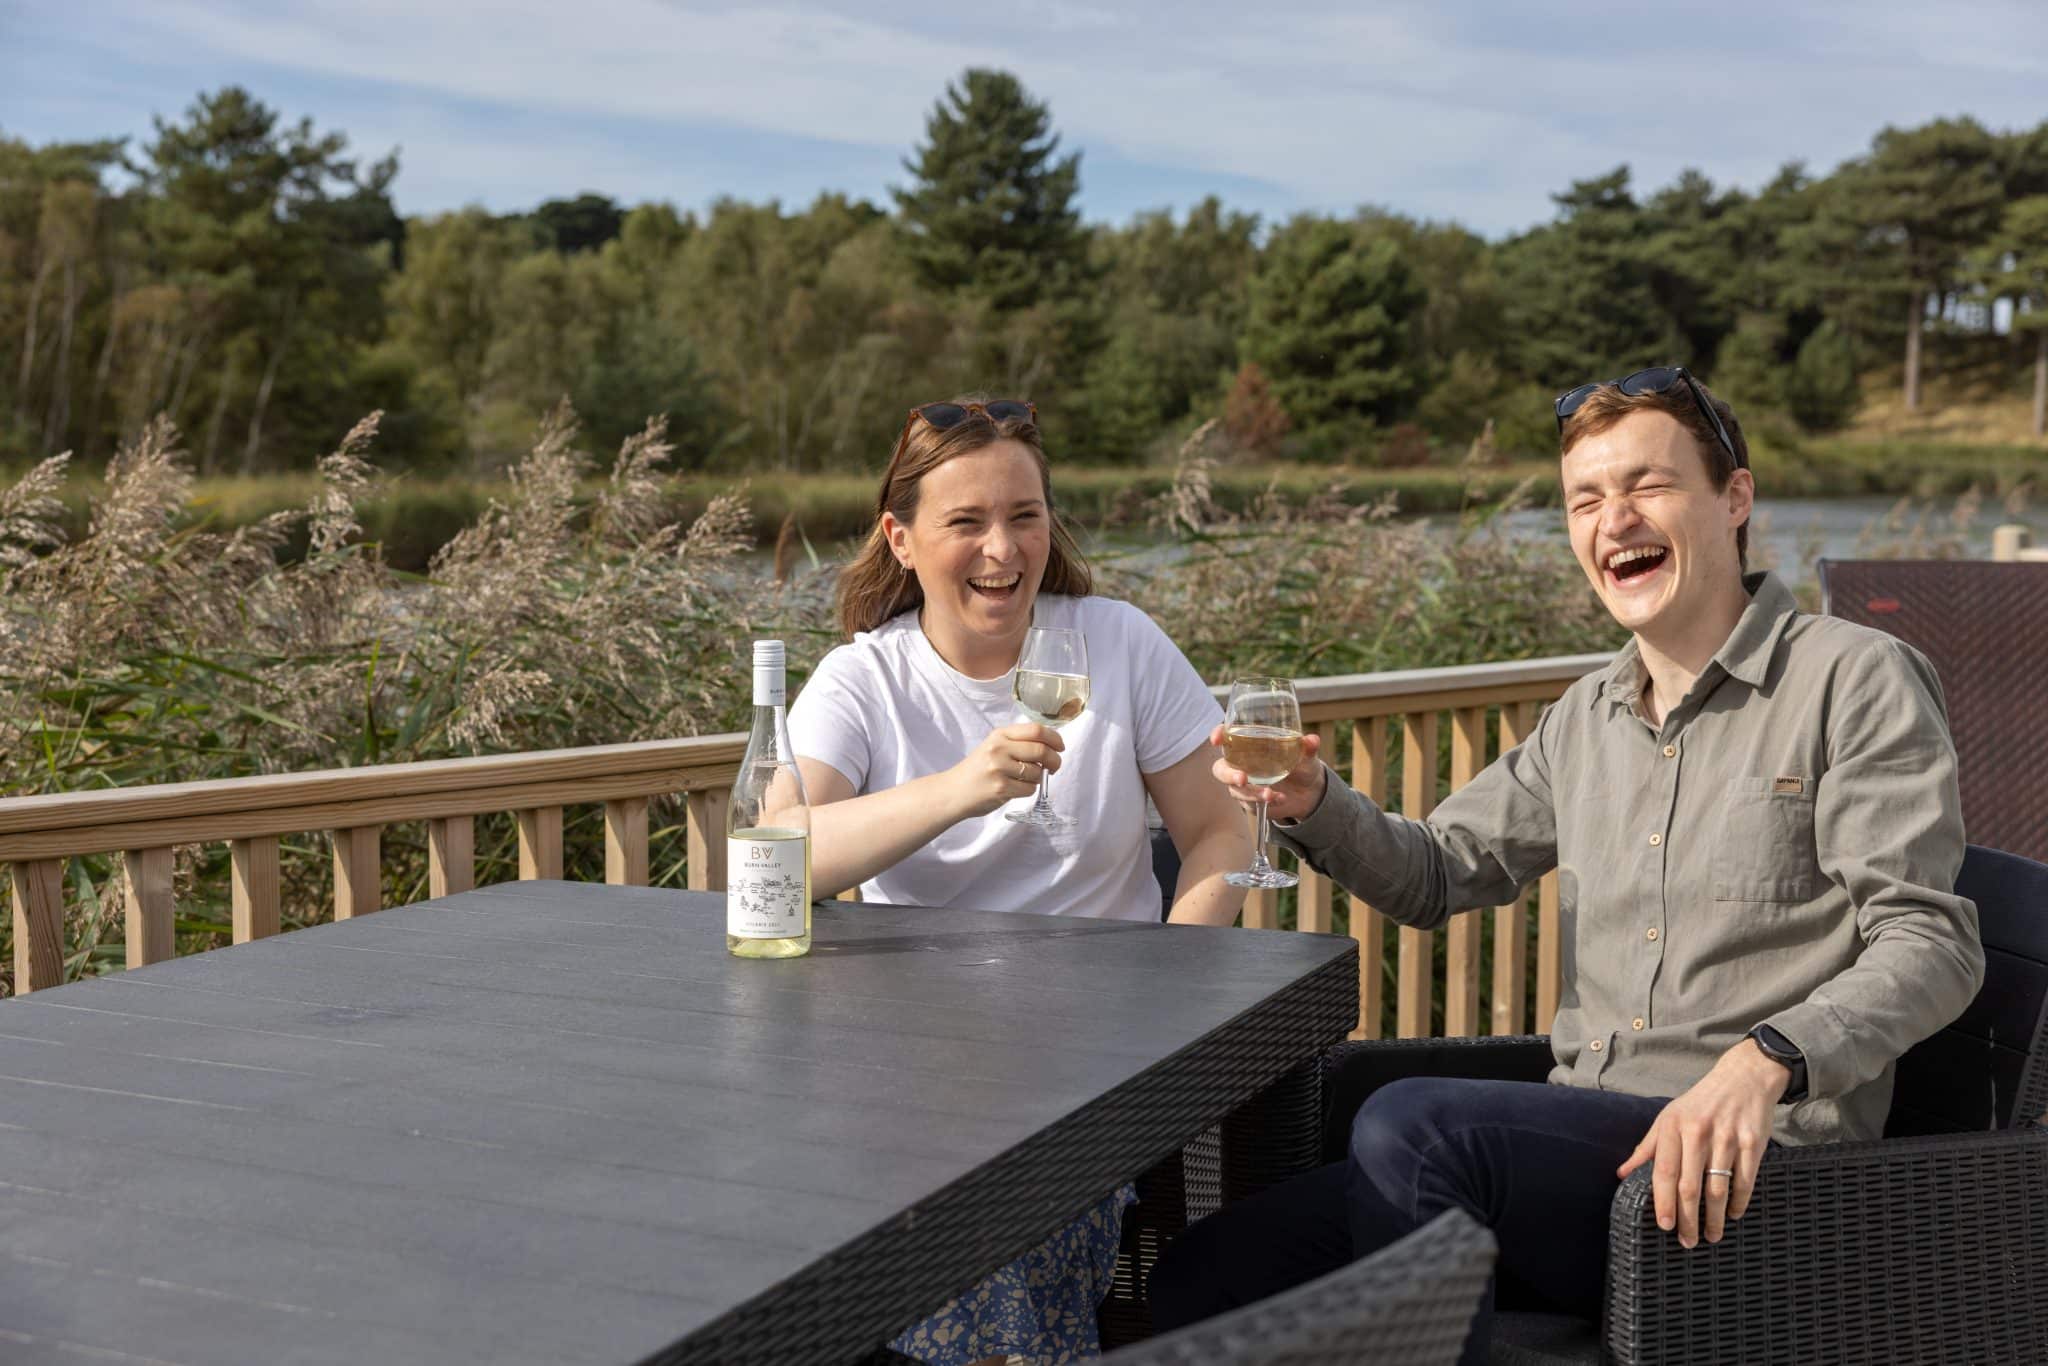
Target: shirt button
(1595, 1045)
(1671, 751)
(1651, 933)
(1656, 840)
(1636, 1023)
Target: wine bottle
(768, 830)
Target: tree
(1174, 297)
(1821, 389)
(584, 223)
(1332, 324)
(1922, 200)
(2015, 267)
(991, 209)
(1578, 298)
(269, 235)
(58, 230)
(444, 304)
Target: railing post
(357, 871)
(625, 842)
(38, 924)
(152, 914)
(2008, 541)
(1261, 908)
(540, 843)
(1461, 951)
(1418, 799)
(256, 914)
(1312, 897)
(451, 855)
(1510, 922)
(1368, 926)
(706, 838)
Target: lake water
(1786, 534)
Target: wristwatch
(1778, 1048)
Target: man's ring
(1721, 1171)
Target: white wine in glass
(1051, 688)
(1262, 736)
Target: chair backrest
(1989, 1069)
(1984, 626)
(1409, 1304)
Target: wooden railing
(1490, 707)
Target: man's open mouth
(996, 587)
(1636, 561)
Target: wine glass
(1262, 736)
(1052, 689)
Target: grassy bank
(413, 517)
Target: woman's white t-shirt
(885, 709)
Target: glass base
(1044, 820)
(1268, 877)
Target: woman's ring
(1023, 772)
(1721, 1171)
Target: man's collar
(1745, 655)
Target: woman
(909, 745)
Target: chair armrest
(1903, 1251)
(1353, 1071)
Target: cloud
(1475, 112)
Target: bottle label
(770, 686)
(767, 887)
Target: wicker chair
(1410, 1304)
(1930, 1245)
(1984, 626)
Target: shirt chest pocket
(1766, 849)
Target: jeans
(1531, 1161)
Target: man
(1754, 819)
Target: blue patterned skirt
(1040, 1307)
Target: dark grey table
(552, 1122)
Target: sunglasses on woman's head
(942, 417)
(1657, 379)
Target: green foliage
(1821, 390)
(991, 208)
(584, 223)
(1332, 322)
(251, 280)
(1582, 300)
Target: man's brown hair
(1607, 405)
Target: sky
(1475, 112)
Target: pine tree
(1333, 324)
(991, 212)
(2015, 266)
(1923, 199)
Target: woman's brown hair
(876, 586)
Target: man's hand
(1293, 797)
(1721, 1124)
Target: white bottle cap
(768, 674)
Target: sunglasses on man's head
(942, 417)
(1657, 379)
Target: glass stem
(1044, 803)
(1259, 864)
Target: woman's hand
(1004, 767)
(1293, 797)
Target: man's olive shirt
(1782, 850)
